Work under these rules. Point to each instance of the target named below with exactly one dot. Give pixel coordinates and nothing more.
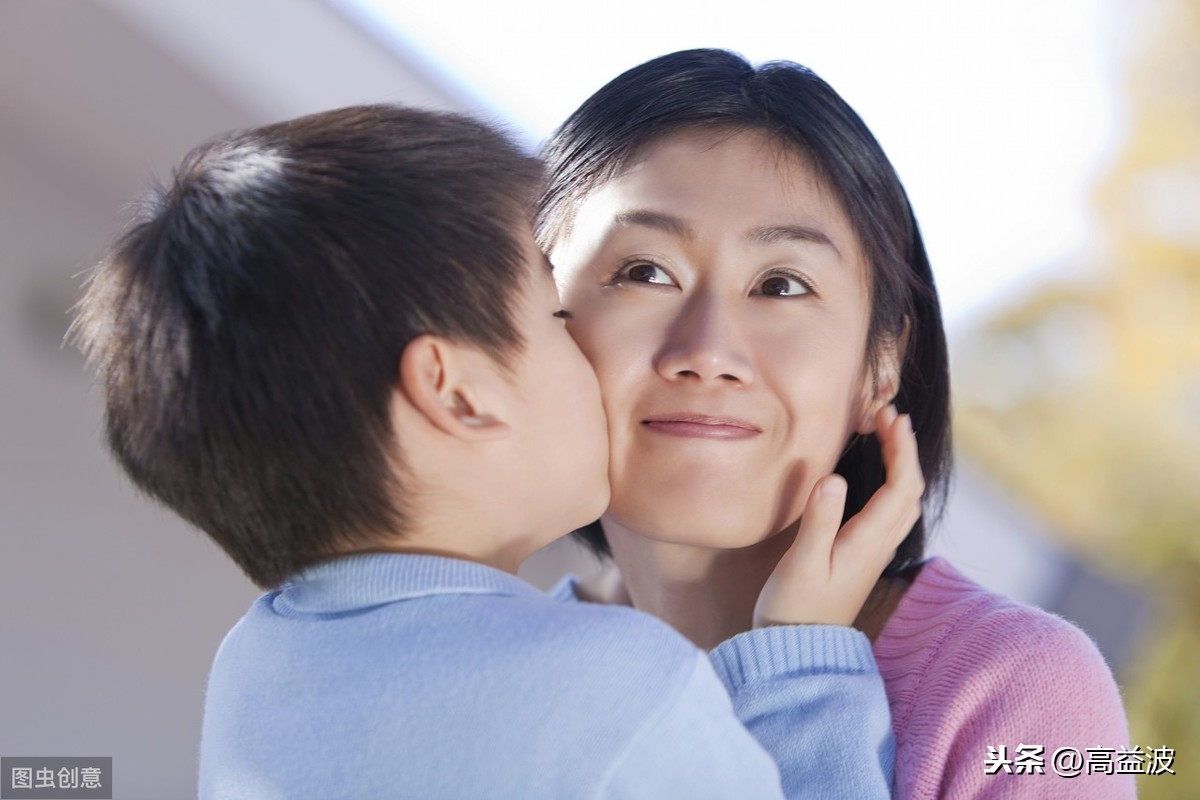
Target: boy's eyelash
(562, 313)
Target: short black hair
(718, 89)
(247, 329)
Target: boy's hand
(826, 575)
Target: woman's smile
(692, 425)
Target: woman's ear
(883, 383)
(455, 387)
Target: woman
(745, 274)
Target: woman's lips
(701, 426)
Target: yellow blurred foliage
(1084, 400)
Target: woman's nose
(703, 343)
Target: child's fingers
(827, 573)
(800, 590)
(884, 417)
(895, 507)
(818, 526)
(899, 499)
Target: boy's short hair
(247, 329)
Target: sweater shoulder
(945, 612)
(456, 674)
(960, 646)
(619, 633)
(956, 619)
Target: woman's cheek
(615, 341)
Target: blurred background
(1051, 151)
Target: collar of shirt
(358, 582)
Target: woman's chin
(695, 526)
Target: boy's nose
(703, 343)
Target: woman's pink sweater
(967, 669)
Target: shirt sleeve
(694, 747)
(813, 697)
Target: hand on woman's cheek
(720, 293)
(830, 568)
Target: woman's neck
(708, 594)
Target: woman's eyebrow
(656, 220)
(770, 234)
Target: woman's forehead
(720, 178)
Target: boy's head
(248, 330)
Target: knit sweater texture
(389, 675)
(967, 669)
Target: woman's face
(721, 296)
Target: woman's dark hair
(790, 104)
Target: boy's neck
(458, 534)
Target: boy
(332, 345)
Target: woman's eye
(783, 286)
(645, 272)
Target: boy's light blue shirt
(389, 675)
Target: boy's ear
(453, 386)
(884, 384)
